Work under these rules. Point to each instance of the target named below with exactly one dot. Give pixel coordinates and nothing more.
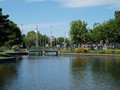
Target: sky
(56, 15)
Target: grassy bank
(90, 51)
(2, 55)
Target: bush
(16, 48)
(109, 51)
(117, 51)
(82, 50)
(3, 48)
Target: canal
(61, 73)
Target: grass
(4, 57)
(97, 51)
(107, 51)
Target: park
(89, 59)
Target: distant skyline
(27, 14)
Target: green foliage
(109, 30)
(3, 48)
(82, 50)
(16, 48)
(60, 40)
(110, 51)
(117, 51)
(9, 32)
(32, 37)
(78, 32)
(97, 51)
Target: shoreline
(87, 54)
(7, 59)
(11, 58)
(17, 53)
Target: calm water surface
(61, 73)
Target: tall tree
(10, 34)
(78, 31)
(60, 40)
(109, 30)
(30, 39)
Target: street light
(51, 36)
(65, 41)
(22, 34)
(21, 29)
(36, 31)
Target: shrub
(117, 51)
(3, 48)
(76, 50)
(66, 51)
(15, 48)
(109, 51)
(82, 50)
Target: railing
(44, 50)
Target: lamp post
(51, 36)
(36, 31)
(21, 29)
(64, 41)
(45, 39)
(22, 34)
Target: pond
(61, 73)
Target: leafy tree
(60, 40)
(30, 39)
(109, 30)
(10, 34)
(43, 40)
(78, 31)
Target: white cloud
(87, 3)
(34, 0)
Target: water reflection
(61, 73)
(7, 73)
(42, 54)
(96, 73)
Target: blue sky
(57, 13)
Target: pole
(21, 29)
(64, 41)
(37, 36)
(51, 35)
(22, 33)
(45, 39)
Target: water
(61, 73)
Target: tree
(10, 34)
(78, 31)
(30, 39)
(109, 30)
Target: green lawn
(4, 57)
(97, 51)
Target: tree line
(10, 35)
(32, 38)
(108, 31)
